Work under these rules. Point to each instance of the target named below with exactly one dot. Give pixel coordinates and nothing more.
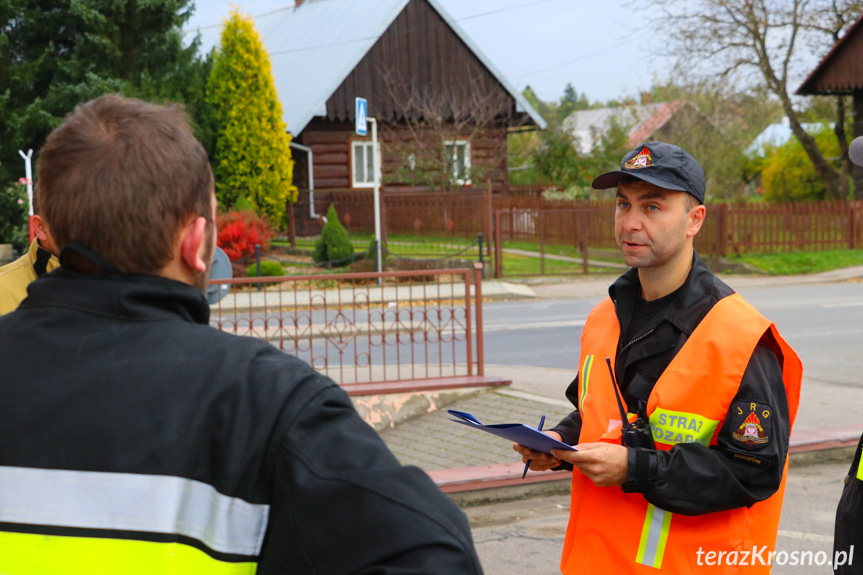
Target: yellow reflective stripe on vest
(585, 380)
(31, 554)
(654, 536)
(860, 468)
(673, 427)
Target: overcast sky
(604, 47)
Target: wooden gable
(841, 70)
(419, 59)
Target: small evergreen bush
(333, 246)
(268, 269)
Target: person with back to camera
(693, 481)
(149, 442)
(848, 536)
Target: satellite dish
(220, 270)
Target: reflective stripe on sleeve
(132, 502)
(654, 536)
(36, 554)
(673, 427)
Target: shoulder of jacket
(21, 265)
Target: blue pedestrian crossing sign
(362, 114)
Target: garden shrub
(333, 246)
(239, 231)
(268, 269)
(14, 228)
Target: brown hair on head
(122, 177)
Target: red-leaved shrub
(239, 231)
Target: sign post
(361, 115)
(28, 170)
(362, 121)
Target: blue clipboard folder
(517, 432)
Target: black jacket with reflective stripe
(848, 538)
(118, 374)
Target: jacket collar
(41, 259)
(699, 293)
(128, 296)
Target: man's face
(652, 224)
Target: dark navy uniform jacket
(120, 378)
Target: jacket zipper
(621, 347)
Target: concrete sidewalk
(254, 300)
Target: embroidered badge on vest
(749, 430)
(642, 160)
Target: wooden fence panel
(727, 229)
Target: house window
(458, 161)
(363, 165)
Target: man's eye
(652, 208)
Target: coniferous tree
(252, 158)
(55, 54)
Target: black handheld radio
(631, 434)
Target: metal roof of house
(779, 134)
(640, 121)
(313, 47)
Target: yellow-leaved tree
(252, 159)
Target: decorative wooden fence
(805, 226)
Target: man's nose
(632, 220)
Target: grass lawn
(802, 262)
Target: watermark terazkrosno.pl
(761, 556)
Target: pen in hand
(527, 465)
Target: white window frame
(458, 178)
(368, 149)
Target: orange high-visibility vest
(615, 532)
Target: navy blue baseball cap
(664, 165)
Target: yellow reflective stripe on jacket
(585, 380)
(860, 468)
(132, 502)
(673, 427)
(654, 536)
(36, 554)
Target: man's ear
(695, 220)
(45, 239)
(190, 243)
(40, 229)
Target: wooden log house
(434, 94)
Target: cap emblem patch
(642, 160)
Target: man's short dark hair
(121, 177)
